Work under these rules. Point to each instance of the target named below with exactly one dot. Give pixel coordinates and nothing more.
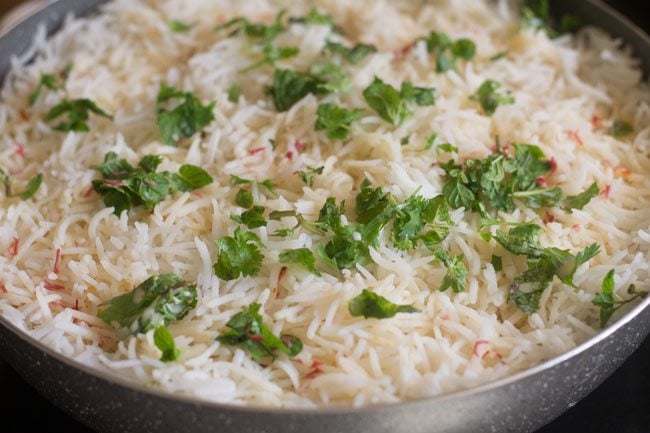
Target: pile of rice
(568, 91)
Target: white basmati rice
(562, 88)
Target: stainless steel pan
(521, 403)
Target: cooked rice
(121, 56)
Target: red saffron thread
(20, 150)
(478, 344)
(575, 136)
(51, 286)
(255, 337)
(15, 245)
(3, 288)
(541, 182)
(289, 155)
(299, 146)
(57, 261)
(549, 218)
(607, 191)
(256, 151)
(553, 163)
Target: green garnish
(156, 302)
(422, 96)
(498, 180)
(47, 81)
(499, 56)
(238, 255)
(77, 111)
(536, 14)
(165, 343)
(289, 87)
(490, 98)
(621, 129)
(608, 303)
(124, 186)
(416, 214)
(313, 18)
(497, 263)
(247, 330)
(301, 256)
(310, 174)
(332, 78)
(448, 52)
(244, 199)
(456, 276)
(30, 189)
(543, 264)
(234, 92)
(371, 305)
(185, 119)
(389, 104)
(336, 121)
(252, 218)
(352, 55)
(176, 26)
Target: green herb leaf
(387, 102)
(497, 263)
(252, 218)
(176, 26)
(124, 186)
(32, 187)
(247, 330)
(238, 255)
(310, 174)
(332, 78)
(301, 256)
(581, 200)
(605, 299)
(289, 87)
(522, 240)
(352, 55)
(414, 215)
(314, 18)
(186, 119)
(336, 121)
(371, 305)
(164, 341)
(77, 111)
(156, 302)
(621, 129)
(370, 202)
(447, 52)
(456, 275)
(422, 96)
(244, 199)
(536, 14)
(490, 98)
(234, 92)
(47, 81)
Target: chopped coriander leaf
(352, 55)
(254, 30)
(536, 14)
(236, 180)
(416, 214)
(489, 97)
(124, 186)
(289, 87)
(336, 121)
(371, 202)
(422, 96)
(581, 200)
(448, 52)
(238, 255)
(156, 302)
(272, 54)
(244, 199)
(499, 56)
(310, 174)
(314, 17)
(405, 141)
(270, 188)
(47, 81)
(301, 256)
(77, 111)
(387, 102)
(456, 275)
(332, 77)
(621, 129)
(252, 218)
(497, 263)
(538, 198)
(371, 305)
(431, 140)
(522, 240)
(446, 147)
(30, 189)
(185, 119)
(247, 330)
(607, 301)
(164, 341)
(283, 233)
(177, 26)
(234, 92)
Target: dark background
(620, 405)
